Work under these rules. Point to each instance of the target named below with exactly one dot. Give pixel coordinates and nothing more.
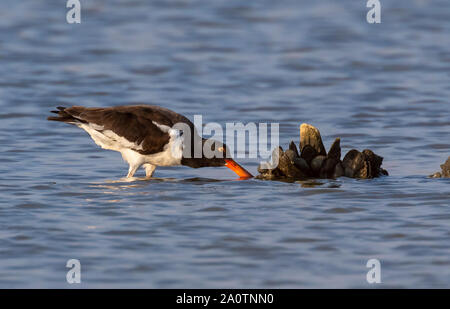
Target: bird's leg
(149, 169)
(131, 170)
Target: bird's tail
(63, 116)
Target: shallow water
(384, 87)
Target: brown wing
(134, 123)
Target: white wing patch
(96, 126)
(107, 139)
(122, 141)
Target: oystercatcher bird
(147, 136)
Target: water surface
(384, 87)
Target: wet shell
(310, 135)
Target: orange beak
(239, 170)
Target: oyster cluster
(445, 173)
(314, 162)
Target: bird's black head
(211, 153)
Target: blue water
(384, 87)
